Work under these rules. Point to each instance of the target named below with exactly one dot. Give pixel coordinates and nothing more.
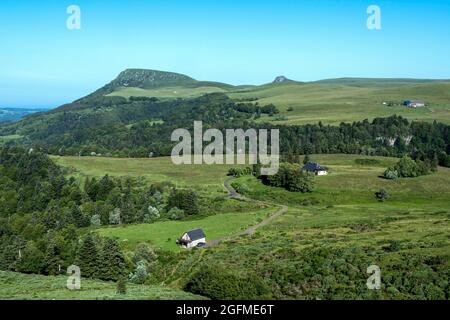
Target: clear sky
(42, 63)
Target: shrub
(186, 200)
(140, 275)
(96, 221)
(175, 214)
(239, 172)
(144, 252)
(121, 286)
(219, 284)
(115, 216)
(382, 195)
(290, 178)
(153, 214)
(391, 174)
(241, 188)
(408, 168)
(300, 182)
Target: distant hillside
(15, 114)
(155, 102)
(151, 79)
(377, 82)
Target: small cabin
(414, 104)
(315, 168)
(193, 238)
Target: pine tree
(52, 258)
(113, 265)
(88, 257)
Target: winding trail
(233, 194)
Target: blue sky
(42, 63)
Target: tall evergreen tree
(113, 265)
(88, 257)
(53, 261)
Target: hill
(135, 113)
(15, 114)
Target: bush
(121, 286)
(115, 216)
(175, 214)
(408, 168)
(152, 215)
(186, 200)
(219, 284)
(382, 195)
(391, 174)
(290, 178)
(239, 172)
(241, 188)
(140, 275)
(96, 221)
(300, 182)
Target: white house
(315, 168)
(192, 239)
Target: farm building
(192, 239)
(414, 104)
(315, 168)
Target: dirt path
(232, 193)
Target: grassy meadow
(335, 103)
(337, 231)
(151, 169)
(166, 92)
(329, 101)
(344, 197)
(20, 286)
(162, 235)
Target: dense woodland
(46, 219)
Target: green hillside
(325, 241)
(331, 101)
(20, 286)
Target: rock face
(141, 78)
(280, 79)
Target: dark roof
(196, 234)
(414, 101)
(313, 167)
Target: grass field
(166, 92)
(403, 236)
(20, 286)
(5, 139)
(344, 210)
(349, 183)
(152, 169)
(399, 235)
(332, 102)
(164, 234)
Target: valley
(342, 215)
(92, 183)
